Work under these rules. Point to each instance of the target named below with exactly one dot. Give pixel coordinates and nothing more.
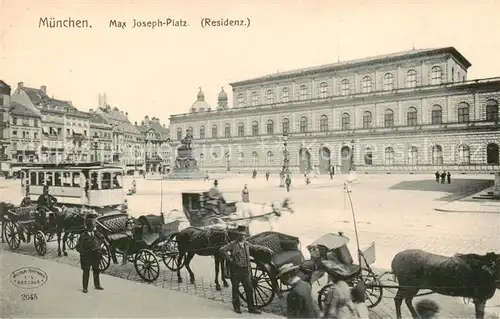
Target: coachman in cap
(45, 203)
(238, 254)
(89, 247)
(215, 199)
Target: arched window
(270, 96)
(179, 133)
(367, 119)
(388, 81)
(411, 116)
(215, 131)
(323, 123)
(413, 156)
(346, 122)
(270, 127)
(436, 75)
(227, 130)
(436, 114)
(255, 99)
(241, 158)
(202, 132)
(344, 87)
(255, 128)
(491, 110)
(303, 93)
(323, 90)
(368, 156)
(366, 86)
(492, 154)
(269, 158)
(389, 118)
(285, 96)
(241, 129)
(463, 112)
(303, 124)
(389, 156)
(255, 158)
(437, 155)
(463, 154)
(286, 126)
(241, 100)
(411, 78)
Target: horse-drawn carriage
(196, 211)
(141, 241)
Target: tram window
(117, 180)
(41, 178)
(106, 181)
(94, 184)
(33, 178)
(49, 179)
(66, 182)
(76, 179)
(57, 179)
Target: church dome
(200, 105)
(223, 95)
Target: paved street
(395, 211)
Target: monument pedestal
(186, 166)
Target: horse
(65, 220)
(255, 212)
(462, 275)
(205, 241)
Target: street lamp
(95, 143)
(227, 160)
(286, 154)
(352, 155)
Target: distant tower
(103, 100)
(222, 100)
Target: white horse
(248, 212)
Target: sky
(158, 72)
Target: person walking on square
(448, 176)
(437, 176)
(288, 182)
(245, 196)
(443, 176)
(267, 175)
(282, 178)
(89, 247)
(299, 301)
(238, 254)
(254, 174)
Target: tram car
(93, 185)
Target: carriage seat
(26, 212)
(116, 226)
(340, 270)
(285, 247)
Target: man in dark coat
(299, 301)
(89, 247)
(448, 176)
(238, 254)
(46, 203)
(437, 176)
(288, 182)
(267, 175)
(443, 176)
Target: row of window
(389, 84)
(24, 121)
(98, 180)
(463, 116)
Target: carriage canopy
(331, 241)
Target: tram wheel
(264, 285)
(147, 266)
(12, 235)
(105, 256)
(72, 240)
(40, 243)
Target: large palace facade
(412, 111)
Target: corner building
(412, 111)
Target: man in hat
(89, 247)
(214, 199)
(238, 254)
(45, 203)
(299, 301)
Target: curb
(464, 211)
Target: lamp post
(95, 142)
(227, 161)
(286, 154)
(352, 155)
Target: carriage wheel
(12, 235)
(322, 295)
(40, 243)
(72, 240)
(147, 266)
(373, 294)
(105, 257)
(264, 286)
(170, 255)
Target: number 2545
(27, 297)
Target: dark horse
(468, 275)
(203, 242)
(67, 220)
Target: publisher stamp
(28, 278)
